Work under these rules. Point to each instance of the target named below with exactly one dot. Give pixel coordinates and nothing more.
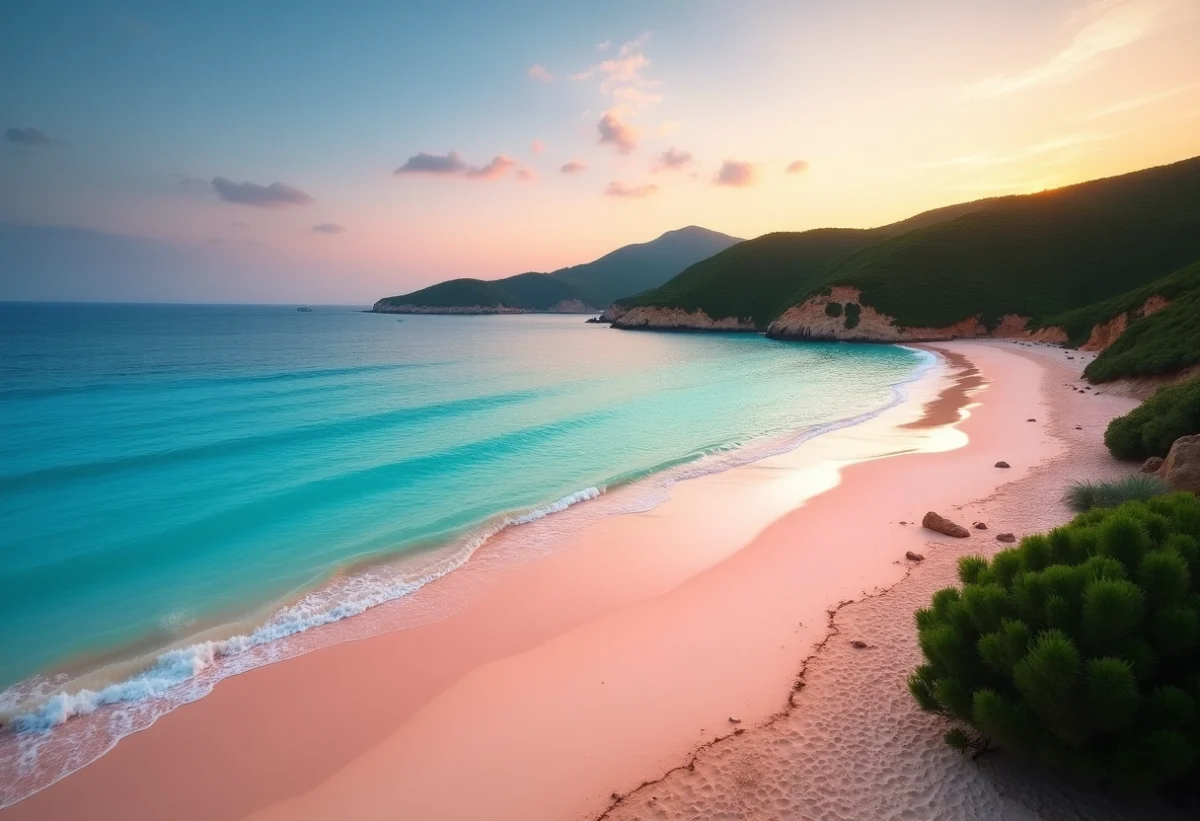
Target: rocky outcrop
(646, 318)
(940, 524)
(383, 306)
(1181, 470)
(612, 313)
(1153, 464)
(1106, 333)
(571, 306)
(841, 315)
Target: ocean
(168, 468)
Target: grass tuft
(1083, 496)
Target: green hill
(1161, 343)
(1036, 255)
(593, 285)
(753, 279)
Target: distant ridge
(583, 288)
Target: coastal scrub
(1079, 648)
(1151, 428)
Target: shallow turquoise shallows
(162, 466)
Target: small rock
(858, 645)
(1003, 465)
(1152, 464)
(940, 524)
(980, 526)
(1030, 420)
(914, 557)
(1005, 537)
(733, 720)
(904, 523)
(1079, 427)
(1181, 469)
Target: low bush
(833, 309)
(1079, 647)
(1152, 427)
(853, 309)
(1083, 496)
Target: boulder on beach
(1005, 537)
(1152, 464)
(1003, 465)
(941, 524)
(1181, 469)
(980, 526)
(914, 557)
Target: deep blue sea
(163, 468)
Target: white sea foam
(175, 667)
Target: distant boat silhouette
(304, 309)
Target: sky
(340, 152)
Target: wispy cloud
(622, 78)
(1104, 26)
(27, 136)
(329, 228)
(537, 146)
(797, 167)
(526, 175)
(573, 167)
(620, 189)
(275, 195)
(451, 164)
(540, 73)
(616, 132)
(1045, 148)
(1138, 102)
(425, 163)
(673, 159)
(737, 174)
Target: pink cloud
(797, 167)
(620, 189)
(616, 132)
(494, 170)
(574, 167)
(537, 146)
(451, 164)
(540, 73)
(526, 175)
(737, 174)
(673, 159)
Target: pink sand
(587, 672)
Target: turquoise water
(163, 467)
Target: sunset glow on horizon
(341, 154)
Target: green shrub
(833, 309)
(1079, 648)
(1152, 427)
(1083, 496)
(852, 311)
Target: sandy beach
(690, 661)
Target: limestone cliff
(383, 306)
(841, 315)
(672, 319)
